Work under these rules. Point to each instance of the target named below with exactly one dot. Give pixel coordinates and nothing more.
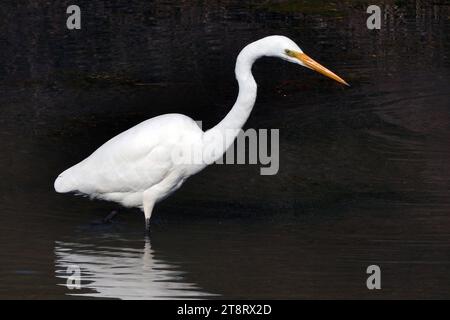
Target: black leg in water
(147, 225)
(106, 220)
(109, 218)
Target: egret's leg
(106, 220)
(148, 202)
(109, 218)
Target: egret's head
(286, 49)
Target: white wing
(132, 161)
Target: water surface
(364, 171)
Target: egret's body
(135, 161)
(139, 167)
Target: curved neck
(218, 139)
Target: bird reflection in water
(122, 272)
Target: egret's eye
(289, 53)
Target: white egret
(139, 167)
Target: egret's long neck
(219, 138)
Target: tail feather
(64, 183)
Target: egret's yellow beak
(314, 65)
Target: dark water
(364, 171)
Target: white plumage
(133, 161)
(148, 162)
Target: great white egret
(142, 166)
